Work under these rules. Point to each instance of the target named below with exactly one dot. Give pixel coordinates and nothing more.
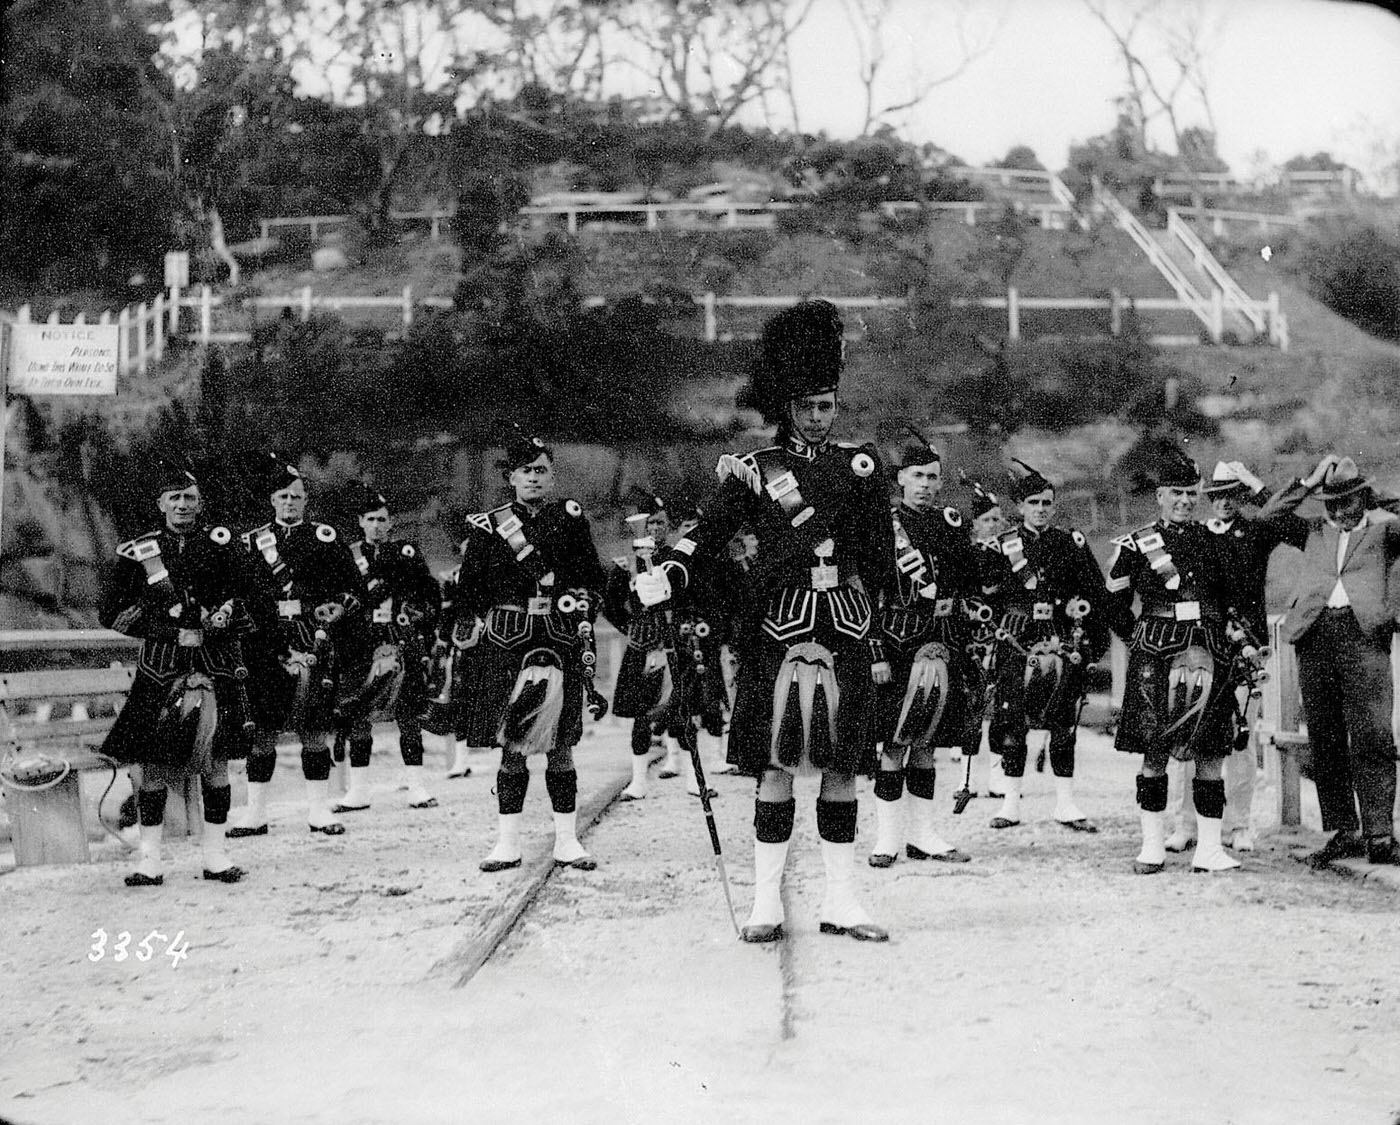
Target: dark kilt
(132, 739)
(1009, 719)
(272, 689)
(903, 632)
(839, 620)
(509, 636)
(1155, 642)
(413, 693)
(637, 691)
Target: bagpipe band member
(1054, 625)
(924, 677)
(1252, 540)
(644, 685)
(400, 616)
(530, 571)
(190, 593)
(825, 548)
(985, 776)
(319, 593)
(1178, 700)
(453, 680)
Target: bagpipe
(1248, 669)
(576, 607)
(982, 656)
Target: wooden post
(408, 306)
(53, 317)
(1217, 316)
(305, 303)
(571, 221)
(651, 216)
(1271, 316)
(124, 341)
(262, 223)
(1013, 315)
(1115, 312)
(174, 310)
(142, 316)
(970, 214)
(81, 318)
(313, 230)
(711, 323)
(158, 327)
(106, 317)
(206, 314)
(22, 316)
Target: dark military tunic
(516, 565)
(927, 604)
(205, 574)
(401, 610)
(308, 566)
(1031, 578)
(825, 547)
(1185, 577)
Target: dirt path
(1040, 982)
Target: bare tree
(974, 28)
(710, 58)
(1164, 48)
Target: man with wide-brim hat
(1340, 618)
(1178, 699)
(819, 510)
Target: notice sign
(63, 359)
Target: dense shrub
(1352, 265)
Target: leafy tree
(87, 173)
(1352, 265)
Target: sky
(1287, 76)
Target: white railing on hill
(1219, 217)
(306, 302)
(1293, 184)
(1209, 313)
(1235, 298)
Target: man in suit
(1340, 619)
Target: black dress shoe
(227, 875)
(334, 828)
(238, 831)
(1383, 851)
(430, 803)
(1141, 868)
(1003, 822)
(1080, 825)
(1343, 845)
(583, 863)
(878, 860)
(952, 855)
(863, 931)
(758, 935)
(136, 879)
(490, 865)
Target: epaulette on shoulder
(135, 548)
(220, 535)
(573, 507)
(481, 520)
(325, 533)
(1078, 537)
(953, 516)
(408, 550)
(743, 468)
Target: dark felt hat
(367, 499)
(521, 449)
(1176, 470)
(800, 353)
(278, 474)
(982, 500)
(171, 473)
(1027, 482)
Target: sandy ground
(1041, 982)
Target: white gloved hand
(653, 588)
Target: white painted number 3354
(176, 948)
